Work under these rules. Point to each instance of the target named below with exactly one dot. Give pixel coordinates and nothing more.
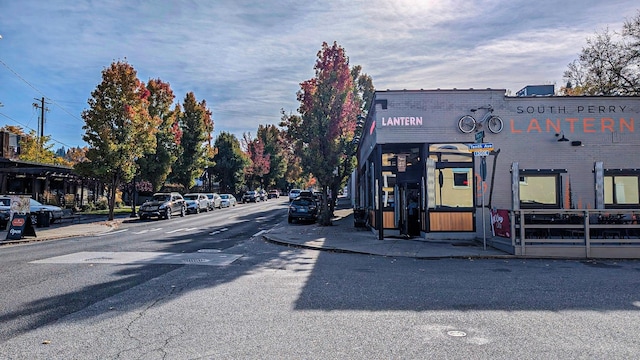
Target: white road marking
(218, 231)
(111, 232)
(99, 257)
(174, 231)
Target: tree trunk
(325, 214)
(112, 197)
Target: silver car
(227, 200)
(196, 203)
(215, 202)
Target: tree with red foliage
(259, 164)
(329, 109)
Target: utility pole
(41, 123)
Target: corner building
(416, 176)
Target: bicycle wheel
(495, 124)
(467, 124)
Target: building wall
(608, 129)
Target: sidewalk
(344, 236)
(83, 226)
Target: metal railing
(586, 232)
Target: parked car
(196, 203)
(35, 207)
(215, 202)
(262, 195)
(250, 196)
(273, 194)
(302, 208)
(294, 193)
(163, 205)
(227, 200)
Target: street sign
(480, 147)
(481, 153)
(480, 137)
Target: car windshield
(191, 197)
(224, 196)
(5, 202)
(210, 196)
(161, 197)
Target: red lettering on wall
(556, 126)
(534, 125)
(628, 125)
(588, 125)
(606, 124)
(572, 122)
(513, 129)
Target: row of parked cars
(259, 195)
(166, 205)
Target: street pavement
(342, 236)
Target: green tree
(229, 163)
(36, 149)
(155, 167)
(274, 147)
(608, 64)
(328, 114)
(196, 125)
(118, 128)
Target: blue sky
(246, 58)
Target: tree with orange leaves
(118, 128)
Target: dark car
(303, 209)
(54, 213)
(250, 196)
(163, 205)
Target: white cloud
(246, 58)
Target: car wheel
(143, 217)
(168, 214)
(290, 219)
(34, 219)
(198, 210)
(183, 212)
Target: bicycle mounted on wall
(468, 123)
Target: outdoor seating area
(611, 233)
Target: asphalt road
(272, 302)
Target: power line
(43, 95)
(32, 129)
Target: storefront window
(450, 184)
(449, 194)
(539, 191)
(388, 189)
(621, 190)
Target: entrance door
(409, 209)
